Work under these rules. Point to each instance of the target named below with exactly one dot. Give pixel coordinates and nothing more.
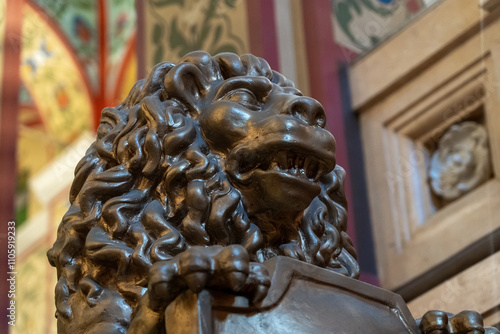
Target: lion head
(209, 151)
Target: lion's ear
(188, 84)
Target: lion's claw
(232, 268)
(465, 322)
(258, 282)
(196, 281)
(223, 268)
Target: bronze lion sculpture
(207, 169)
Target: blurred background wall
(62, 62)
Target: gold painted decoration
(54, 81)
(78, 20)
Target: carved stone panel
(461, 162)
(429, 120)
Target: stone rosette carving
(461, 162)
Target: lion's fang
(282, 160)
(290, 161)
(274, 165)
(321, 171)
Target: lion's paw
(222, 268)
(465, 322)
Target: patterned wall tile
(176, 27)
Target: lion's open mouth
(278, 176)
(298, 164)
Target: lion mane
(150, 187)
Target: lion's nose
(308, 110)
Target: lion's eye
(244, 97)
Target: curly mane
(149, 187)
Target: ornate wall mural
(78, 20)
(60, 74)
(215, 26)
(64, 103)
(121, 27)
(35, 149)
(361, 24)
(54, 110)
(461, 161)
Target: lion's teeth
(282, 160)
(312, 167)
(321, 171)
(307, 166)
(290, 160)
(300, 161)
(307, 161)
